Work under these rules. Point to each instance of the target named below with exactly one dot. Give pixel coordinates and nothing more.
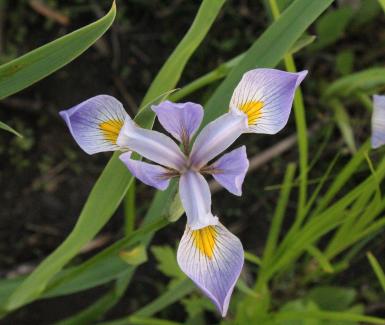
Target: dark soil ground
(46, 178)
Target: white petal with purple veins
(230, 170)
(378, 121)
(213, 258)
(266, 97)
(152, 175)
(95, 123)
(216, 137)
(179, 119)
(196, 200)
(152, 145)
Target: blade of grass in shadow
(7, 128)
(350, 168)
(360, 81)
(41, 62)
(276, 225)
(320, 258)
(320, 185)
(279, 214)
(377, 269)
(114, 181)
(343, 121)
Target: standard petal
(378, 121)
(266, 96)
(196, 199)
(152, 175)
(216, 137)
(213, 258)
(95, 123)
(230, 170)
(179, 119)
(152, 145)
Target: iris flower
(378, 121)
(208, 253)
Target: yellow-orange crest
(205, 240)
(253, 110)
(111, 129)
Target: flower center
(253, 110)
(111, 129)
(204, 240)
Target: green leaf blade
(41, 62)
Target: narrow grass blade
(364, 81)
(41, 62)
(320, 258)
(377, 269)
(279, 214)
(320, 185)
(365, 100)
(343, 121)
(250, 257)
(7, 128)
(171, 296)
(350, 168)
(303, 42)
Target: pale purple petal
(300, 77)
(213, 258)
(152, 145)
(152, 175)
(216, 137)
(179, 119)
(196, 200)
(230, 170)
(378, 121)
(266, 96)
(95, 123)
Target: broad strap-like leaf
(41, 62)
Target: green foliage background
(317, 228)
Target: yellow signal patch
(204, 240)
(111, 129)
(253, 110)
